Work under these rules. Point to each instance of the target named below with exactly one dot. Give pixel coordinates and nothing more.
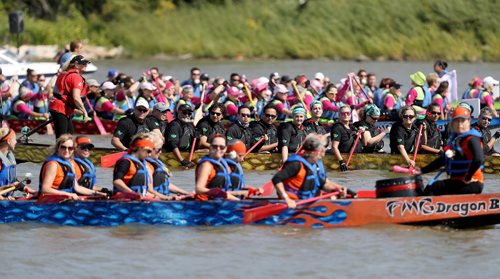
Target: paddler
(463, 159)
(85, 169)
(234, 156)
(303, 175)
(404, 134)
(57, 175)
(292, 134)
(162, 187)
(8, 161)
(213, 180)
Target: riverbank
(412, 30)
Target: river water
(46, 251)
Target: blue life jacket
(160, 176)
(68, 182)
(8, 172)
(427, 97)
(88, 178)
(139, 182)
(237, 178)
(459, 167)
(318, 175)
(222, 177)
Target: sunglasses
(195, 74)
(486, 118)
(408, 116)
(216, 113)
(143, 110)
(435, 112)
(244, 115)
(86, 147)
(270, 115)
(69, 148)
(345, 113)
(214, 146)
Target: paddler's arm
(335, 150)
(87, 192)
(402, 150)
(289, 170)
(76, 93)
(331, 186)
(116, 142)
(120, 170)
(175, 189)
(203, 171)
(49, 176)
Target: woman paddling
(8, 161)
(85, 169)
(162, 187)
(303, 175)
(463, 160)
(213, 180)
(57, 175)
(404, 134)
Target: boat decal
(426, 206)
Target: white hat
(280, 88)
(147, 86)
(108, 85)
(319, 76)
(489, 81)
(142, 103)
(93, 82)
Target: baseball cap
(93, 82)
(161, 107)
(461, 112)
(319, 76)
(147, 86)
(234, 91)
(108, 85)
(395, 85)
(372, 110)
(142, 103)
(84, 140)
(79, 59)
(185, 107)
(112, 73)
(285, 78)
(489, 81)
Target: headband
(9, 135)
(144, 143)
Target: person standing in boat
(343, 136)
(158, 171)
(131, 172)
(483, 121)
(234, 156)
(132, 125)
(85, 170)
(211, 124)
(241, 128)
(463, 160)
(8, 161)
(57, 174)
(486, 96)
(71, 86)
(303, 175)
(431, 139)
(404, 134)
(213, 179)
(292, 134)
(265, 128)
(179, 135)
(373, 136)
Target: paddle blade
(268, 189)
(108, 161)
(401, 169)
(262, 212)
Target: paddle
(353, 148)
(255, 114)
(160, 97)
(397, 168)
(253, 147)
(51, 198)
(192, 150)
(108, 161)
(294, 84)
(24, 137)
(198, 115)
(19, 186)
(263, 212)
(97, 121)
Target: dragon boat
(461, 211)
(90, 128)
(37, 153)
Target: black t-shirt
(486, 137)
(179, 134)
(402, 136)
(156, 123)
(346, 137)
(374, 131)
(433, 134)
(290, 136)
(312, 127)
(236, 131)
(259, 129)
(128, 127)
(121, 169)
(207, 127)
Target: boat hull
(457, 211)
(80, 127)
(37, 153)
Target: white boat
(12, 65)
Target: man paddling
(303, 175)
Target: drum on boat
(410, 186)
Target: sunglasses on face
(64, 147)
(345, 113)
(272, 116)
(244, 115)
(215, 146)
(216, 113)
(86, 147)
(435, 112)
(195, 74)
(149, 151)
(143, 110)
(486, 118)
(408, 116)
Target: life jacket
(419, 99)
(281, 116)
(137, 177)
(482, 97)
(88, 178)
(66, 97)
(100, 111)
(220, 176)
(125, 104)
(472, 93)
(237, 178)
(8, 172)
(18, 114)
(65, 174)
(303, 186)
(160, 176)
(458, 166)
(397, 101)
